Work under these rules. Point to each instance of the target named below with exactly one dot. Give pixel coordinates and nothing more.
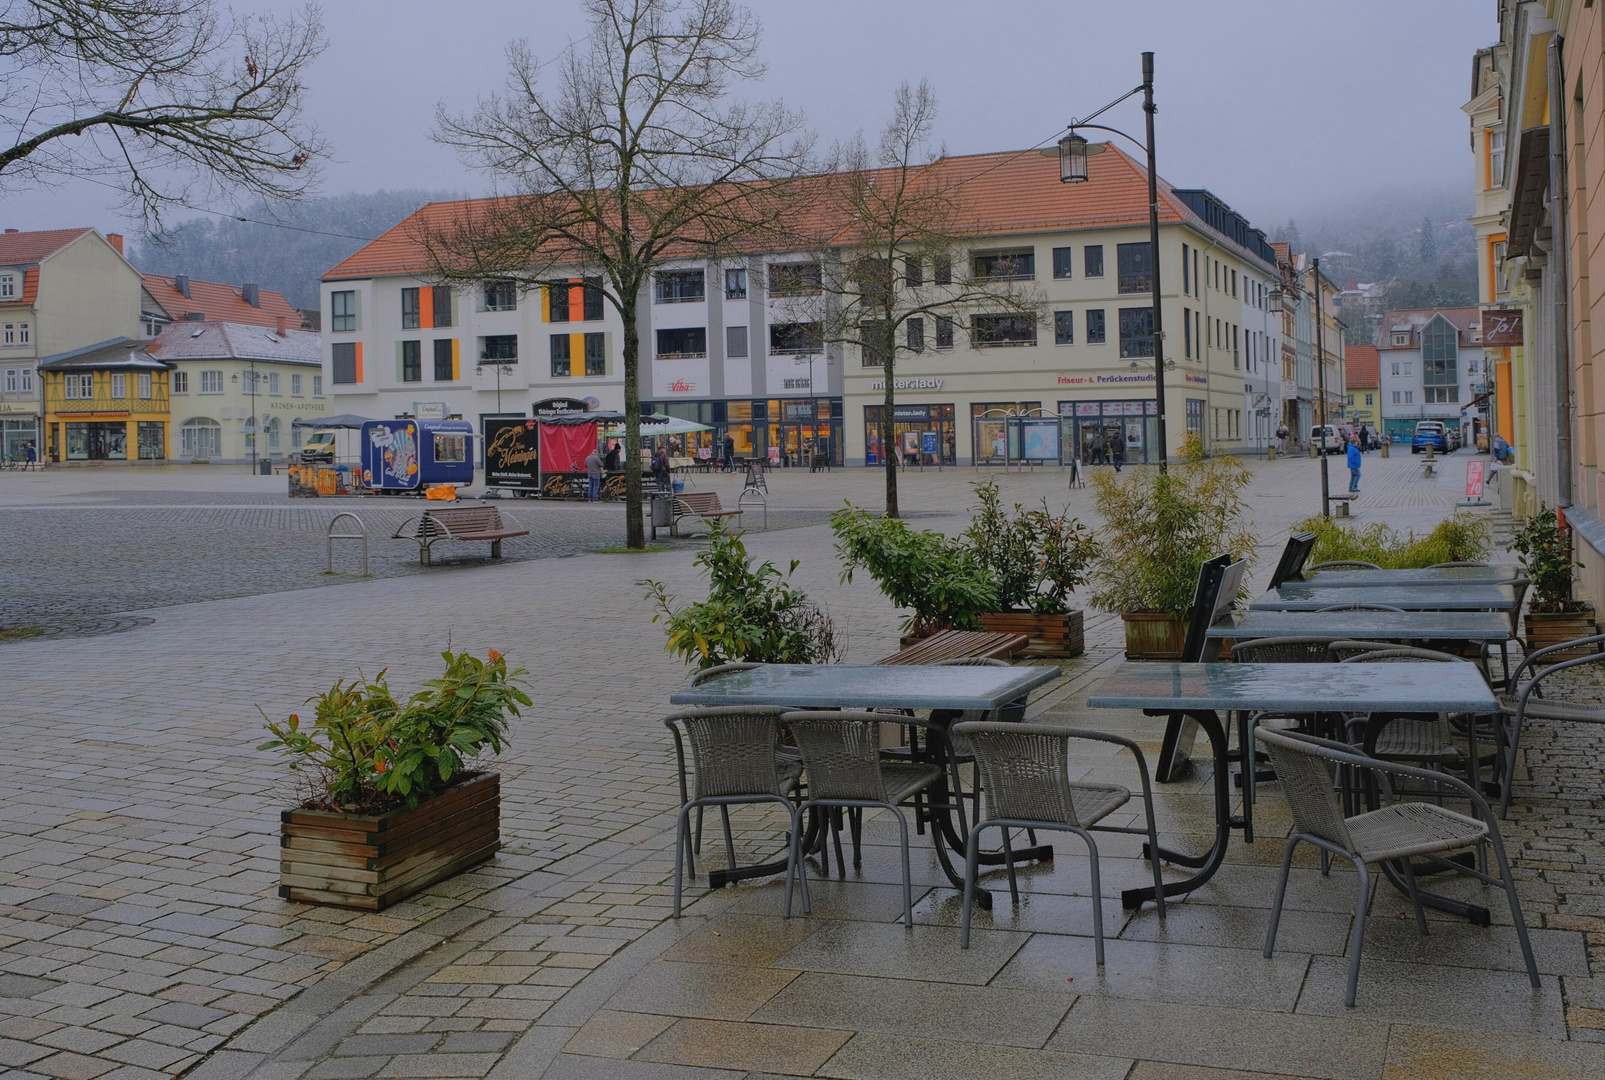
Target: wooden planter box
(371, 861)
(1552, 628)
(1051, 635)
(1152, 635)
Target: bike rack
(754, 493)
(361, 534)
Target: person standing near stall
(660, 469)
(593, 475)
(1354, 465)
(611, 462)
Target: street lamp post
(1073, 151)
(1320, 383)
(254, 422)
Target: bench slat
(958, 644)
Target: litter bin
(264, 467)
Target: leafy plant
(1545, 554)
(371, 752)
(752, 612)
(1036, 557)
(1160, 527)
(1458, 538)
(939, 579)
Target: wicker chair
(1025, 773)
(1521, 585)
(697, 678)
(1288, 650)
(841, 751)
(1343, 564)
(1529, 702)
(958, 747)
(1342, 650)
(1397, 831)
(1409, 736)
(736, 754)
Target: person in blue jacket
(1354, 465)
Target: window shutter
(735, 339)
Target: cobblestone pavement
(141, 935)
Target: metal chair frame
(697, 678)
(1518, 715)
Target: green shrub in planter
(939, 579)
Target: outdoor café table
(1365, 625)
(1201, 692)
(1444, 575)
(1313, 596)
(947, 691)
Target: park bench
(702, 504)
(959, 645)
(457, 523)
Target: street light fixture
(1073, 151)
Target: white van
(1335, 443)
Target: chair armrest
(1532, 684)
(1528, 660)
(1347, 755)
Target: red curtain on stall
(564, 447)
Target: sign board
(559, 406)
(429, 410)
(928, 443)
(512, 453)
(1502, 326)
(1289, 390)
(1473, 479)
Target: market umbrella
(658, 424)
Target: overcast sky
(1278, 106)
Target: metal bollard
(360, 534)
(1384, 449)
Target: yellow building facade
(106, 403)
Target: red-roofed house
(1360, 366)
(718, 350)
(186, 298)
(61, 290)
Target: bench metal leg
(495, 549)
(423, 554)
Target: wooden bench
(959, 644)
(457, 523)
(701, 504)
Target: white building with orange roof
(717, 349)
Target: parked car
(1336, 441)
(1431, 433)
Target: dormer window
(1401, 339)
(8, 286)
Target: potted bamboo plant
(1037, 558)
(391, 805)
(937, 579)
(1159, 528)
(1543, 547)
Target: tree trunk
(634, 528)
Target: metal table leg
(1208, 863)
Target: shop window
(152, 440)
(200, 437)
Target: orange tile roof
(26, 248)
(1362, 366)
(220, 302)
(30, 290)
(1015, 192)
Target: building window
(943, 271)
(1186, 277)
(11, 380)
(1401, 339)
(795, 279)
(562, 364)
(317, 386)
(1095, 330)
(212, 381)
(152, 440)
(344, 366)
(119, 386)
(1368, 398)
(1092, 260)
(274, 386)
(500, 348)
(1441, 395)
(735, 283)
(1187, 331)
(994, 331)
(295, 385)
(440, 301)
(1234, 282)
(1064, 328)
(1236, 356)
(1195, 416)
(1062, 262)
(444, 365)
(915, 328)
(735, 342)
(11, 333)
(180, 382)
(501, 296)
(682, 343)
(557, 302)
(794, 338)
(22, 334)
(1396, 397)
(144, 386)
(679, 287)
(591, 299)
(343, 310)
(1136, 332)
(913, 272)
(272, 428)
(409, 309)
(1004, 266)
(8, 286)
(77, 387)
(1409, 368)
(596, 354)
(1135, 267)
(1351, 399)
(944, 331)
(874, 342)
(1496, 159)
(200, 437)
(412, 361)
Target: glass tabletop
(1367, 625)
(1312, 596)
(866, 686)
(1297, 687)
(1447, 575)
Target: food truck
(409, 455)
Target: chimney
(252, 295)
(115, 239)
(181, 283)
(10, 231)
(283, 327)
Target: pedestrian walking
(660, 469)
(1281, 438)
(1097, 448)
(1365, 439)
(30, 457)
(1354, 466)
(1119, 452)
(729, 453)
(593, 474)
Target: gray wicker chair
(958, 747)
(1025, 774)
(1398, 831)
(1529, 702)
(1342, 564)
(735, 751)
(1342, 650)
(697, 678)
(1285, 650)
(1409, 737)
(841, 751)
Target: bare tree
(635, 155)
(169, 98)
(896, 274)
